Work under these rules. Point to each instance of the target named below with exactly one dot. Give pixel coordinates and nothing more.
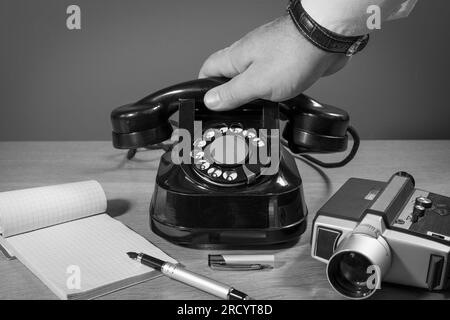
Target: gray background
(58, 84)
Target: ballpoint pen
(178, 273)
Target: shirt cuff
(349, 17)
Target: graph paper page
(93, 249)
(35, 208)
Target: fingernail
(212, 99)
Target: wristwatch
(322, 37)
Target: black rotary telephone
(229, 195)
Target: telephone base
(187, 211)
(230, 239)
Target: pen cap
(241, 262)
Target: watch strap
(322, 37)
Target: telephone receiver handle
(311, 127)
(156, 108)
(146, 122)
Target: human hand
(273, 62)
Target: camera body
(372, 231)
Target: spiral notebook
(63, 236)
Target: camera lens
(359, 263)
(349, 270)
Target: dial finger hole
(209, 134)
(200, 143)
(197, 154)
(251, 134)
(217, 173)
(256, 141)
(223, 130)
(230, 175)
(203, 165)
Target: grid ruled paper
(96, 245)
(31, 209)
(59, 232)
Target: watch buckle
(355, 46)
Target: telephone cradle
(238, 184)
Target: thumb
(238, 91)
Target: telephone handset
(311, 126)
(225, 200)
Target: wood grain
(129, 184)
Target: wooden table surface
(129, 184)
